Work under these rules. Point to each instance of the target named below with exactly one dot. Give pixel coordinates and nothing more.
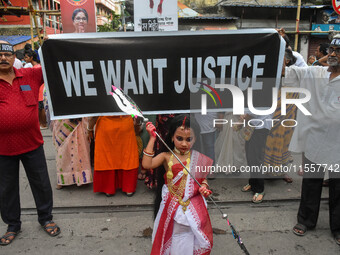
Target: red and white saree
(189, 232)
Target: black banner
(159, 71)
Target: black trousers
(36, 170)
(311, 197)
(255, 155)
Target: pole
(33, 16)
(44, 18)
(122, 9)
(31, 28)
(297, 25)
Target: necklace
(178, 191)
(181, 153)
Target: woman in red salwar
(182, 225)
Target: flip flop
(287, 178)
(255, 201)
(7, 238)
(299, 227)
(141, 176)
(51, 228)
(246, 188)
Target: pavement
(92, 223)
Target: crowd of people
(120, 158)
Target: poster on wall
(327, 20)
(78, 16)
(328, 16)
(155, 15)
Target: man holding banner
(21, 140)
(321, 140)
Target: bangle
(148, 153)
(89, 129)
(206, 183)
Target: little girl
(182, 224)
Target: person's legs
(129, 181)
(36, 170)
(255, 153)
(334, 202)
(208, 141)
(42, 116)
(105, 181)
(310, 197)
(182, 240)
(9, 192)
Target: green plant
(114, 21)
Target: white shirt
(318, 133)
(28, 65)
(17, 64)
(299, 60)
(206, 122)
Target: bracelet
(88, 129)
(148, 154)
(206, 183)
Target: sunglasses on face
(336, 50)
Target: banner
(159, 71)
(155, 15)
(78, 16)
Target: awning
(273, 6)
(15, 39)
(210, 18)
(185, 11)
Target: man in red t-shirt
(21, 140)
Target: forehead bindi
(187, 132)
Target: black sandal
(299, 229)
(51, 228)
(7, 238)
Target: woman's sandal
(299, 229)
(51, 228)
(246, 188)
(149, 179)
(59, 187)
(7, 238)
(257, 201)
(129, 194)
(287, 178)
(142, 175)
